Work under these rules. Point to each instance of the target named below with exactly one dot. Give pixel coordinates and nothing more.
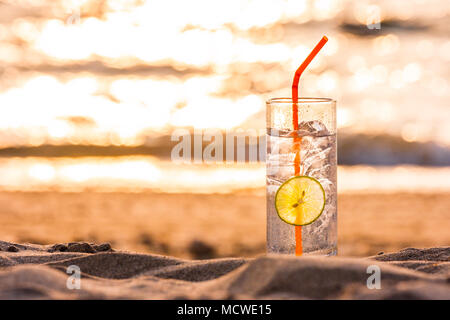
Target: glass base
(328, 252)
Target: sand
(39, 272)
(173, 231)
(197, 226)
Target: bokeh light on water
(115, 73)
(139, 174)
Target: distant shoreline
(77, 151)
(353, 149)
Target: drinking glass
(315, 142)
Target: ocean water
(215, 68)
(140, 174)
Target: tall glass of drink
(301, 176)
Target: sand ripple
(39, 272)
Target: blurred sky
(117, 72)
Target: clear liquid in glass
(318, 160)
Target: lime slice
(300, 200)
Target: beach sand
(40, 272)
(197, 226)
(173, 232)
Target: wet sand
(215, 225)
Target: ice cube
(315, 128)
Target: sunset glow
(118, 73)
(137, 174)
(210, 68)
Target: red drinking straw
(297, 139)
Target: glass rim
(303, 100)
